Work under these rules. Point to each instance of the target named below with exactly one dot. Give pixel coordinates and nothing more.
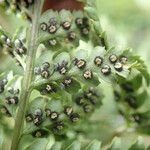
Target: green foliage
(73, 63)
(77, 145)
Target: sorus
(37, 120)
(72, 36)
(39, 133)
(74, 117)
(54, 115)
(43, 26)
(87, 108)
(113, 58)
(81, 63)
(118, 66)
(58, 126)
(52, 42)
(67, 81)
(106, 70)
(87, 74)
(52, 29)
(45, 74)
(80, 101)
(12, 100)
(45, 65)
(79, 22)
(29, 117)
(66, 25)
(98, 61)
(123, 59)
(68, 110)
(48, 112)
(4, 110)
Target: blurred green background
(127, 23)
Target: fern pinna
(65, 59)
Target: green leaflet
(74, 146)
(77, 145)
(116, 144)
(8, 41)
(23, 8)
(11, 89)
(60, 35)
(140, 66)
(88, 53)
(59, 107)
(139, 145)
(94, 145)
(91, 12)
(39, 144)
(56, 146)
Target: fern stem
(28, 75)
